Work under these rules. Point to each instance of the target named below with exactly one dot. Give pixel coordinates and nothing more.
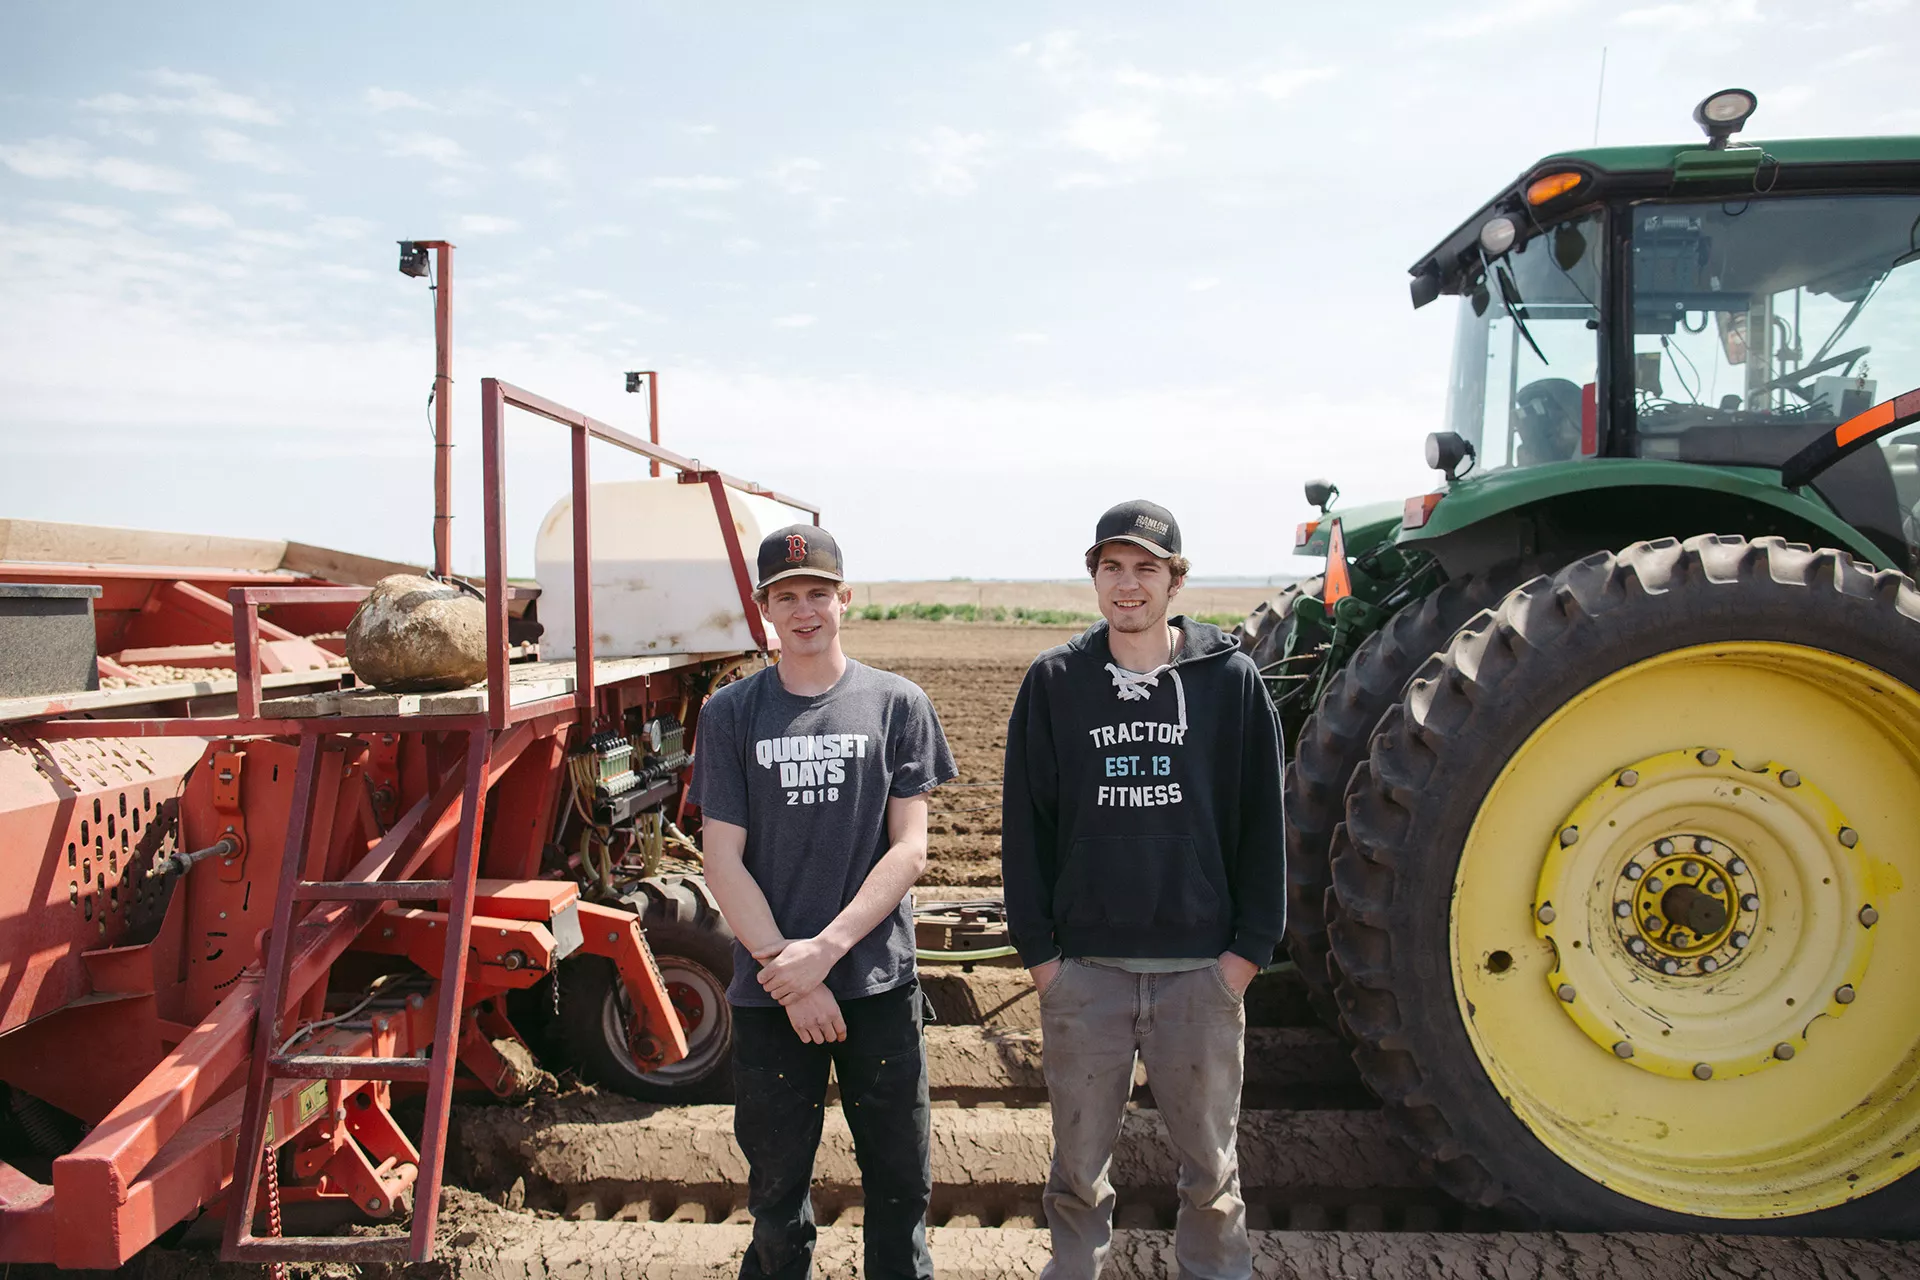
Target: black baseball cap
(799, 550)
(1147, 524)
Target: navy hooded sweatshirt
(1141, 814)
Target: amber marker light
(1419, 510)
(1303, 533)
(1541, 190)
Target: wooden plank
(529, 682)
(56, 541)
(342, 566)
(55, 704)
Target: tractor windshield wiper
(1510, 299)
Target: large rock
(413, 635)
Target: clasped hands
(795, 974)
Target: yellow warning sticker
(313, 1100)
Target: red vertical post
(443, 408)
(582, 584)
(493, 464)
(653, 418)
(246, 654)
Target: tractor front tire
(1334, 741)
(693, 947)
(1619, 921)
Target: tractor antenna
(1599, 95)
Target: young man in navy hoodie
(1142, 847)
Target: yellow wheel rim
(1678, 937)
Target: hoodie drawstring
(1138, 686)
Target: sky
(964, 275)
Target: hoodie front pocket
(1134, 882)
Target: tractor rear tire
(1271, 635)
(1544, 770)
(693, 947)
(1334, 741)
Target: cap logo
(796, 549)
(1149, 523)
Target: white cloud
(797, 176)
(229, 146)
(1081, 180)
(1790, 97)
(741, 245)
(92, 215)
(393, 100)
(334, 227)
(55, 158)
(483, 224)
(694, 182)
(541, 167)
(1117, 134)
(1188, 84)
(201, 217)
(193, 94)
(1200, 284)
(1057, 55)
(795, 322)
(1696, 15)
(116, 127)
(950, 159)
(1284, 84)
(1030, 339)
(274, 200)
(1498, 18)
(431, 147)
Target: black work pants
(780, 1089)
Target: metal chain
(277, 1270)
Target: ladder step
(322, 1248)
(372, 890)
(323, 1066)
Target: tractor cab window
(1526, 351)
(1759, 324)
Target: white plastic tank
(661, 579)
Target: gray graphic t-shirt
(809, 778)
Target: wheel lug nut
(1738, 867)
(1869, 917)
(1669, 966)
(1702, 845)
(1637, 946)
(1702, 1071)
(1716, 885)
(1750, 902)
(1565, 992)
(1653, 924)
(1740, 940)
(1634, 871)
(1664, 848)
(1623, 909)
(1709, 757)
(1546, 914)
(1622, 1050)
(1788, 778)
(1849, 837)
(1629, 777)
(1653, 885)
(1783, 1051)
(1690, 869)
(1709, 964)
(1569, 836)
(1845, 994)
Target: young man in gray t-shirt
(812, 779)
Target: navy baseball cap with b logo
(799, 550)
(1147, 524)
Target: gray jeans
(1191, 1031)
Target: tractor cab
(1721, 305)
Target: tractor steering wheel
(1795, 381)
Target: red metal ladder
(270, 1064)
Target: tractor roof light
(1446, 451)
(1321, 493)
(1552, 186)
(1498, 235)
(1724, 114)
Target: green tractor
(1604, 795)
